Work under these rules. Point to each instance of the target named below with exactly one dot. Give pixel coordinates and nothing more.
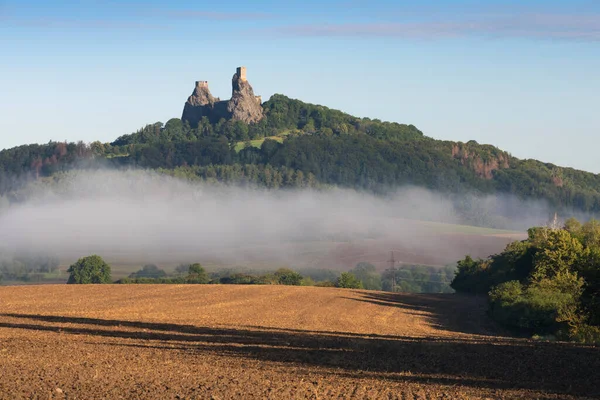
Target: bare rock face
(199, 104)
(243, 105)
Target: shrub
(178, 280)
(325, 284)
(238, 279)
(92, 269)
(586, 334)
(538, 308)
(307, 281)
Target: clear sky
(522, 75)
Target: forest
(305, 145)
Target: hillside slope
(322, 147)
(205, 341)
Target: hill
(311, 146)
(214, 341)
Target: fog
(139, 217)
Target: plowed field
(221, 342)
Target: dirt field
(221, 342)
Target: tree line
(412, 278)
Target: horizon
(521, 76)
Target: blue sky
(522, 75)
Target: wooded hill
(304, 145)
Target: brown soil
(221, 342)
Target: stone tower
(241, 73)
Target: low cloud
(136, 217)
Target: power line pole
(392, 270)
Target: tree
(348, 281)
(471, 276)
(182, 269)
(91, 269)
(368, 275)
(197, 274)
(97, 148)
(149, 271)
(558, 253)
(286, 276)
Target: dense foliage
(91, 269)
(549, 283)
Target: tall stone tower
(241, 73)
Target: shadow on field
(553, 368)
(449, 312)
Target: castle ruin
(243, 105)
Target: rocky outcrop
(482, 159)
(243, 105)
(199, 104)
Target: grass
(258, 142)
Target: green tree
(286, 276)
(348, 281)
(558, 253)
(149, 271)
(368, 275)
(471, 276)
(91, 269)
(197, 274)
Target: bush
(238, 279)
(307, 281)
(325, 284)
(348, 281)
(154, 281)
(540, 308)
(586, 334)
(92, 269)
